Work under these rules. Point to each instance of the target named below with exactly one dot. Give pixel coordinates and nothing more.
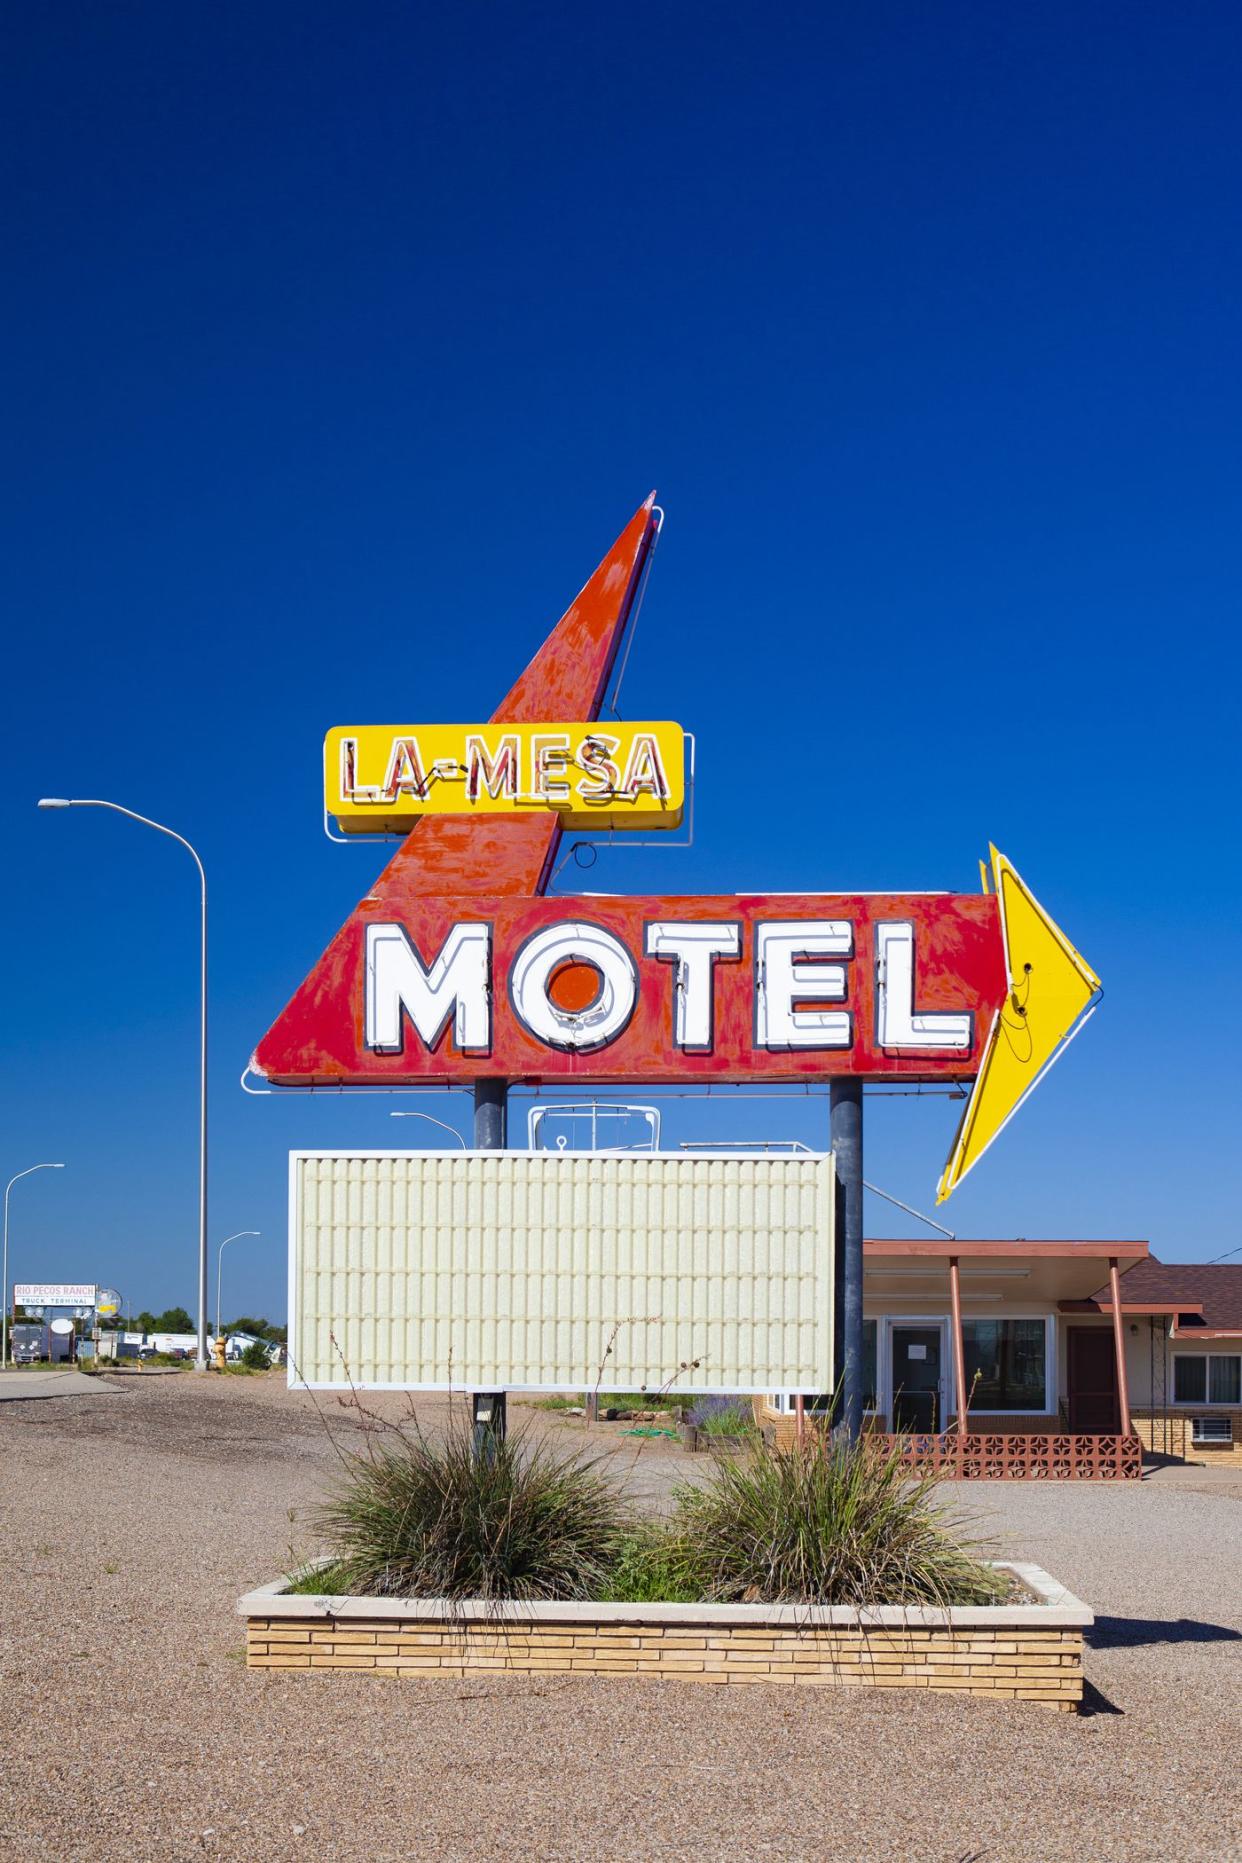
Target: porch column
(959, 1350)
(1119, 1346)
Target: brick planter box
(1028, 1651)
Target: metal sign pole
(491, 1104)
(846, 1127)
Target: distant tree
(262, 1329)
(146, 1321)
(173, 1320)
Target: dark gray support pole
(846, 1126)
(491, 1125)
(491, 1101)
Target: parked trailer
(30, 1341)
(175, 1345)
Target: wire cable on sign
(1020, 1003)
(1021, 1025)
(351, 1087)
(575, 854)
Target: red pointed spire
(486, 855)
(567, 679)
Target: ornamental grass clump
(423, 1518)
(724, 1419)
(652, 1568)
(829, 1522)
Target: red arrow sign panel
(740, 988)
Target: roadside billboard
(55, 1294)
(527, 1270)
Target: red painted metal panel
(959, 966)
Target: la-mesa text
(384, 777)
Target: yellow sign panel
(1052, 991)
(380, 779)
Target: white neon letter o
(601, 1021)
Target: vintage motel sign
(728, 987)
(381, 779)
(456, 966)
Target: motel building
(1015, 1359)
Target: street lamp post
(434, 1122)
(77, 802)
(220, 1271)
(4, 1274)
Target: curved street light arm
(220, 1270)
(4, 1272)
(96, 802)
(434, 1122)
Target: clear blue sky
(341, 343)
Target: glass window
(1005, 1362)
(1189, 1379)
(1224, 1380)
(870, 1332)
(1200, 1379)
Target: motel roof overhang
(1064, 1274)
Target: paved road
(24, 1385)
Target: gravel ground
(130, 1727)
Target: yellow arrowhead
(1052, 991)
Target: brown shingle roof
(1216, 1286)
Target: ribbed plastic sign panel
(518, 1270)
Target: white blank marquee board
(514, 1270)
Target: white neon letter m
(458, 984)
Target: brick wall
(1018, 1662)
(1167, 1432)
(780, 1427)
(1008, 1448)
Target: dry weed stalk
(592, 1415)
